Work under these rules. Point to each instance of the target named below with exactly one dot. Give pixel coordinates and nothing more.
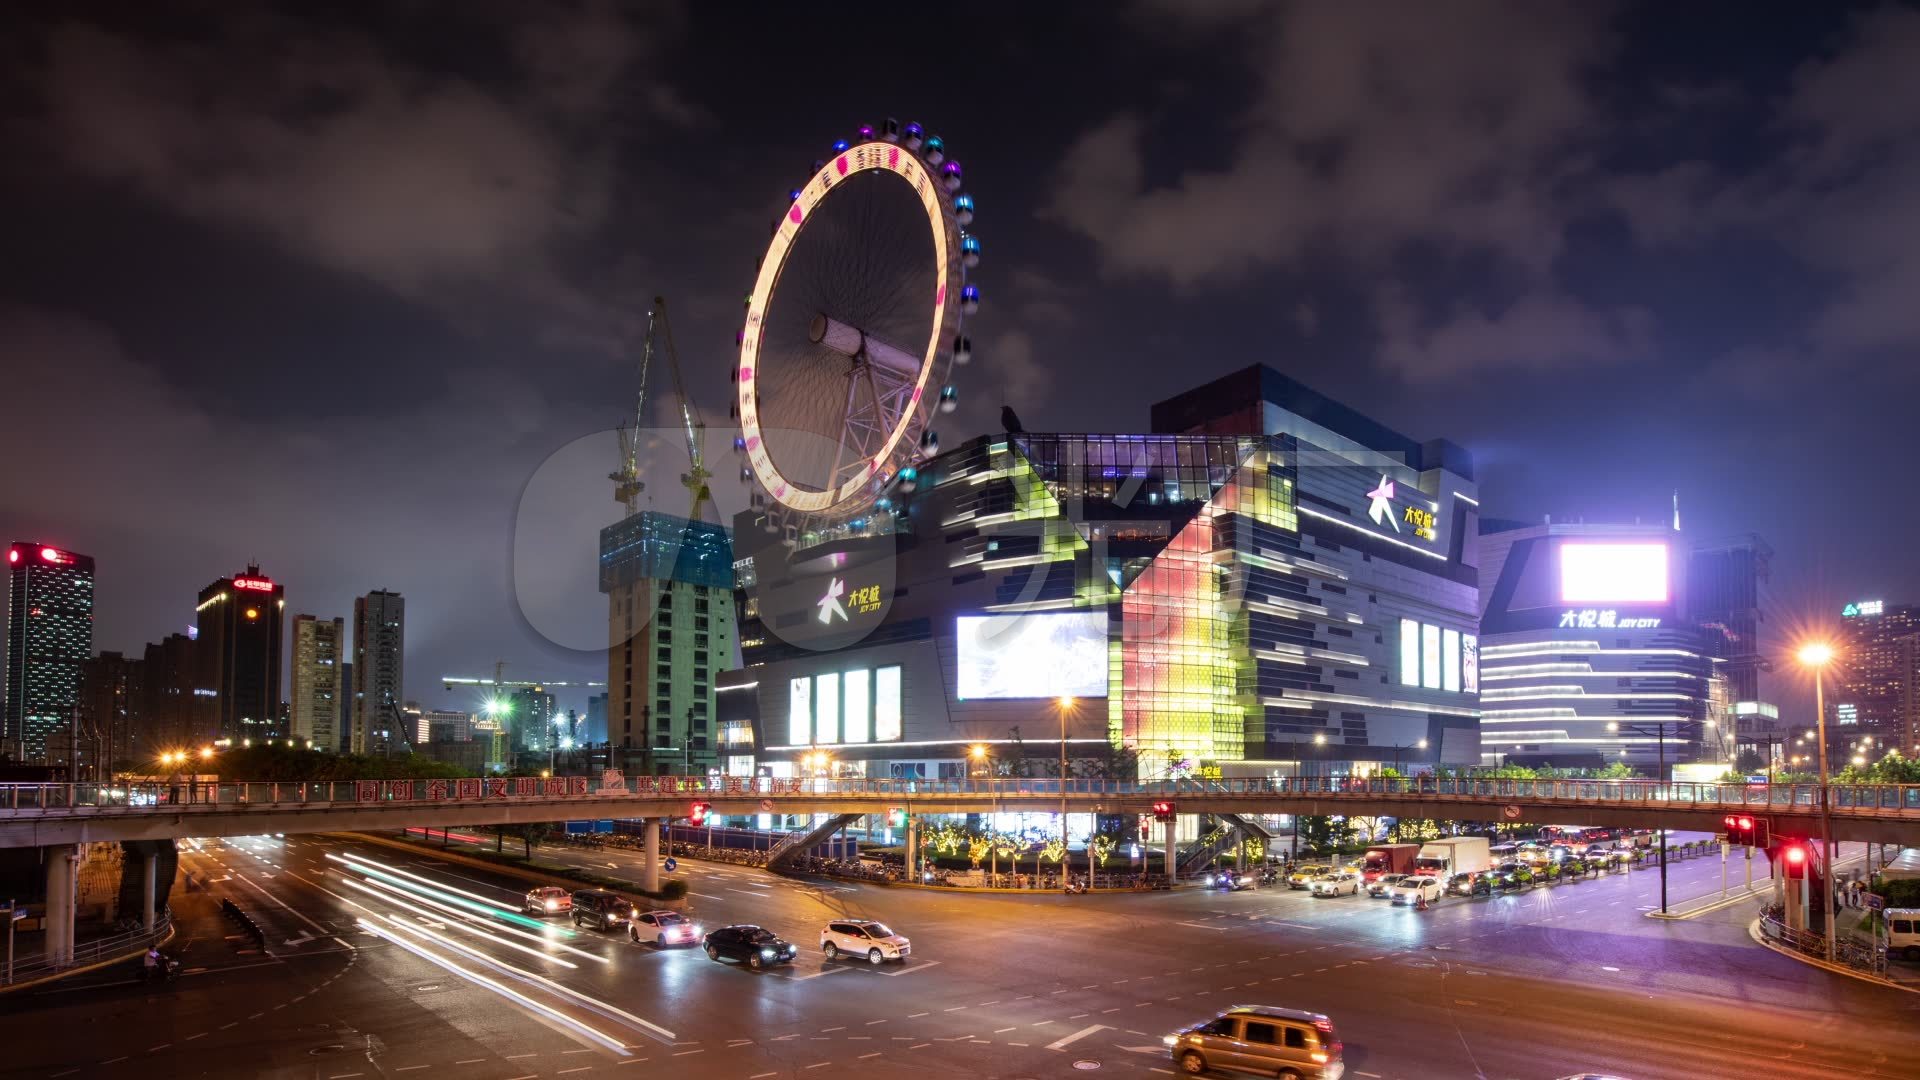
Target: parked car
(1261, 1039)
(663, 928)
(547, 900)
(754, 946)
(1381, 887)
(1512, 875)
(600, 909)
(1469, 885)
(1344, 883)
(1903, 932)
(873, 941)
(1412, 890)
(1302, 876)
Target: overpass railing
(1898, 800)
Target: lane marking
(1069, 1040)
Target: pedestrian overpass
(57, 818)
(39, 815)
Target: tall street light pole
(1065, 705)
(1816, 656)
(1660, 741)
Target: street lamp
(1817, 655)
(1420, 745)
(1065, 706)
(1660, 735)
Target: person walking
(151, 962)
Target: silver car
(1261, 1039)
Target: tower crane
(627, 482)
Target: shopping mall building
(1588, 656)
(1269, 584)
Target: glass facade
(49, 636)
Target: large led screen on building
(1613, 573)
(1033, 656)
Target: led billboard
(1613, 573)
(1033, 656)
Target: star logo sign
(829, 604)
(1382, 508)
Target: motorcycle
(167, 970)
(1269, 876)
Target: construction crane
(627, 482)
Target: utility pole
(1826, 811)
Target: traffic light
(1163, 811)
(896, 818)
(1794, 856)
(1746, 830)
(697, 813)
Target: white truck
(1455, 855)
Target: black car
(754, 946)
(601, 909)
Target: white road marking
(1066, 1041)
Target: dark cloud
(331, 287)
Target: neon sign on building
(253, 584)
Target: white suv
(863, 938)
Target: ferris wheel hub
(857, 344)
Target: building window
(1437, 658)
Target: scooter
(167, 970)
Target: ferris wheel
(852, 327)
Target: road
(362, 977)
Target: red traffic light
(1746, 823)
(1163, 811)
(697, 813)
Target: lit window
(1450, 660)
(800, 712)
(1430, 656)
(1409, 653)
(858, 708)
(886, 704)
(826, 710)
(1469, 663)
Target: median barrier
(559, 877)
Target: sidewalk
(1852, 923)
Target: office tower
(319, 662)
(379, 671)
(596, 729)
(49, 635)
(238, 649)
(670, 616)
(112, 693)
(1870, 688)
(1727, 599)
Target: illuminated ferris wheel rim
(867, 156)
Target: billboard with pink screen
(1613, 573)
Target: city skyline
(1607, 248)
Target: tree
(1749, 761)
(1615, 770)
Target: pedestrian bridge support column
(62, 865)
(650, 870)
(149, 887)
(1172, 853)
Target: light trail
(504, 991)
(460, 924)
(543, 940)
(456, 896)
(521, 973)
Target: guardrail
(1870, 959)
(41, 799)
(38, 966)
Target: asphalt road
(364, 981)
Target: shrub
(672, 889)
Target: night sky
(359, 296)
